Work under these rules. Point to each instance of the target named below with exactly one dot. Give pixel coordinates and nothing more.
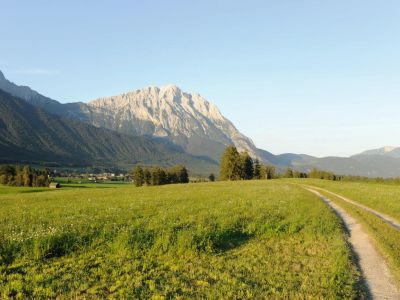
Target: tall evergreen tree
(158, 176)
(230, 164)
(246, 166)
(147, 176)
(257, 170)
(211, 177)
(182, 174)
(138, 176)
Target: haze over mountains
(179, 126)
(388, 151)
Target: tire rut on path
(377, 277)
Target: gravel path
(379, 281)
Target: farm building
(54, 185)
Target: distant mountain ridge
(30, 135)
(185, 119)
(69, 110)
(388, 151)
(194, 127)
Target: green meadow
(384, 198)
(249, 239)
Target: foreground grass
(217, 240)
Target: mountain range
(29, 134)
(153, 125)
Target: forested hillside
(31, 135)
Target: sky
(315, 77)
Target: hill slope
(29, 134)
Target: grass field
(383, 198)
(257, 239)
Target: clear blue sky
(316, 77)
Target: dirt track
(389, 220)
(379, 281)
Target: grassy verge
(254, 239)
(384, 198)
(385, 237)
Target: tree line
(240, 166)
(159, 175)
(24, 176)
(326, 175)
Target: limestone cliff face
(167, 112)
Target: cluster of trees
(160, 176)
(314, 173)
(24, 176)
(240, 166)
(319, 174)
(394, 180)
(290, 173)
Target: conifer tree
(211, 177)
(147, 176)
(230, 164)
(138, 176)
(246, 166)
(257, 170)
(182, 174)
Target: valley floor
(255, 239)
(249, 239)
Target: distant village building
(54, 185)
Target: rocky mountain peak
(388, 149)
(185, 118)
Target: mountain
(29, 134)
(167, 112)
(69, 110)
(185, 119)
(191, 130)
(388, 151)
(370, 164)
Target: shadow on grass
(85, 186)
(35, 191)
(229, 240)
